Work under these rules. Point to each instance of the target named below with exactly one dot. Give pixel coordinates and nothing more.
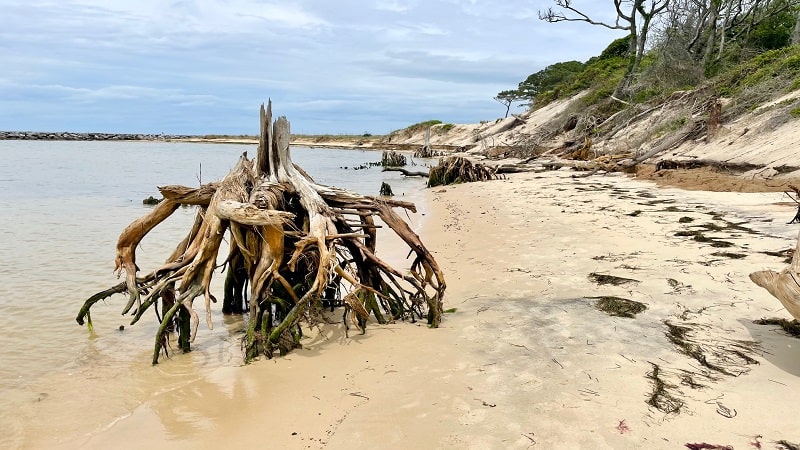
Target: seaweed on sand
(700, 237)
(729, 255)
(718, 356)
(786, 445)
(791, 327)
(602, 279)
(619, 307)
(660, 398)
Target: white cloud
(393, 6)
(213, 61)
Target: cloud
(204, 66)
(393, 6)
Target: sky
(330, 66)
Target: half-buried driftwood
(783, 285)
(292, 242)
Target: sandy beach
(524, 359)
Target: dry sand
(526, 360)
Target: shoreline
(322, 141)
(526, 357)
(700, 177)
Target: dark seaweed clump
(660, 398)
(619, 307)
(791, 327)
(700, 237)
(602, 279)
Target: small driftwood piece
(408, 173)
(783, 285)
(292, 243)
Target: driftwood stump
(783, 285)
(455, 169)
(291, 241)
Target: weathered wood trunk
(783, 285)
(290, 240)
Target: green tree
(506, 98)
(775, 30)
(549, 78)
(634, 16)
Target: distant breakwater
(70, 136)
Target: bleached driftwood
(783, 285)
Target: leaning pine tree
(290, 240)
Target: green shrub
(784, 62)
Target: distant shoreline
(313, 141)
(72, 136)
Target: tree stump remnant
(783, 285)
(291, 239)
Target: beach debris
(485, 403)
(724, 411)
(719, 355)
(687, 379)
(660, 398)
(729, 255)
(786, 445)
(386, 190)
(623, 427)
(151, 200)
(783, 285)
(529, 436)
(619, 307)
(678, 287)
(603, 279)
(786, 254)
(792, 327)
(426, 150)
(455, 169)
(391, 158)
(616, 257)
(406, 172)
(706, 446)
(292, 241)
(700, 237)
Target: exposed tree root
(291, 242)
(456, 169)
(390, 158)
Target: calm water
(63, 206)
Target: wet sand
(525, 360)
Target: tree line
(668, 44)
